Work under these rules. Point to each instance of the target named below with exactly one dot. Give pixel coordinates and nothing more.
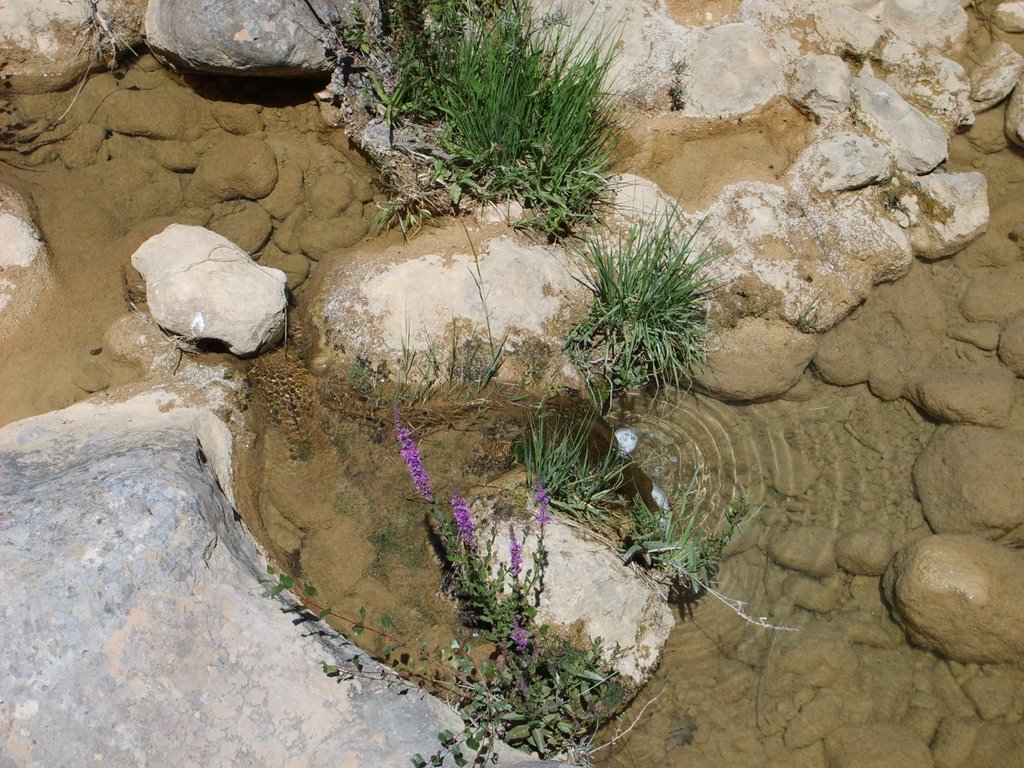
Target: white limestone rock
(821, 85)
(920, 144)
(796, 255)
(843, 161)
(933, 83)
(732, 71)
(940, 24)
(618, 606)
(847, 30)
(415, 298)
(202, 286)
(961, 202)
(995, 77)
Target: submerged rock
(1011, 346)
(876, 745)
(971, 480)
(959, 596)
(202, 286)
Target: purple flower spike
(515, 551)
(413, 459)
(463, 520)
(542, 500)
(520, 637)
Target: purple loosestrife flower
(520, 637)
(515, 553)
(463, 520)
(542, 500)
(413, 459)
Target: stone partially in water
(756, 360)
(995, 295)
(995, 77)
(960, 202)
(1009, 16)
(980, 393)
(268, 37)
(139, 603)
(24, 261)
(1014, 120)
(971, 480)
(202, 286)
(959, 596)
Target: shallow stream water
(324, 490)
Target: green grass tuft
(648, 317)
(527, 118)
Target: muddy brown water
(323, 489)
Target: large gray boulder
(202, 286)
(134, 625)
(268, 37)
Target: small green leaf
(385, 621)
(309, 591)
(418, 761)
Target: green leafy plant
(581, 480)
(535, 690)
(648, 317)
(685, 540)
(527, 117)
(519, 103)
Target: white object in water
(659, 496)
(627, 439)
